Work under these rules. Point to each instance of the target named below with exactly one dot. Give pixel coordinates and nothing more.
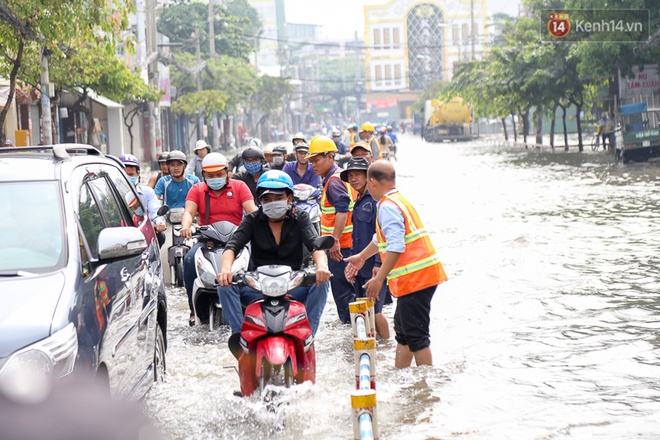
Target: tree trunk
(12, 89)
(552, 127)
(578, 109)
(515, 129)
(506, 134)
(539, 125)
(525, 121)
(129, 122)
(563, 120)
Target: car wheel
(159, 356)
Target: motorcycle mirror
(324, 243)
(163, 210)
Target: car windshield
(31, 222)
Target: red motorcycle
(275, 345)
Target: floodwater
(546, 329)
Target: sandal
(191, 320)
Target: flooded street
(546, 329)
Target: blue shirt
(336, 191)
(151, 202)
(393, 137)
(308, 177)
(364, 226)
(342, 148)
(390, 219)
(176, 191)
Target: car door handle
(125, 275)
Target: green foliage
(181, 22)
(270, 93)
(207, 102)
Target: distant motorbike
(306, 198)
(205, 299)
(179, 248)
(275, 345)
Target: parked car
(81, 288)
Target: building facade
(411, 43)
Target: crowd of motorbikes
(275, 345)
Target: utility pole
(472, 34)
(46, 120)
(211, 31)
(155, 142)
(198, 55)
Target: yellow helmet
(321, 145)
(368, 126)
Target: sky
(341, 18)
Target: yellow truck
(448, 121)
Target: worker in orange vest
(337, 202)
(409, 263)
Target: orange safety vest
(328, 214)
(418, 267)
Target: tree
(268, 98)
(29, 26)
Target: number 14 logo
(558, 25)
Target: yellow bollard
(365, 417)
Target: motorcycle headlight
(302, 194)
(275, 286)
(54, 356)
(296, 280)
(252, 281)
(205, 271)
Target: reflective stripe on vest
(418, 267)
(328, 214)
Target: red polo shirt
(228, 205)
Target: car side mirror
(324, 243)
(163, 210)
(121, 242)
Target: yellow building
(412, 43)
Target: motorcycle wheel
(288, 374)
(178, 272)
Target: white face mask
(276, 209)
(278, 160)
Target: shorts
(412, 319)
(361, 292)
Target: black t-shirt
(297, 231)
(248, 178)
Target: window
(379, 75)
(386, 38)
(454, 34)
(397, 74)
(90, 218)
(388, 74)
(396, 38)
(466, 35)
(377, 38)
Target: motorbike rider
(278, 235)
(301, 170)
(268, 155)
(254, 163)
(385, 143)
(364, 227)
(342, 148)
(236, 163)
(201, 150)
(279, 157)
(164, 169)
(146, 194)
(367, 134)
(298, 138)
(217, 198)
(393, 136)
(336, 211)
(361, 149)
(174, 188)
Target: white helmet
(214, 162)
(256, 142)
(201, 144)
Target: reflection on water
(547, 328)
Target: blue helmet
(130, 161)
(274, 182)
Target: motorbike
(206, 303)
(275, 345)
(306, 198)
(179, 248)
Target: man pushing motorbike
(278, 235)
